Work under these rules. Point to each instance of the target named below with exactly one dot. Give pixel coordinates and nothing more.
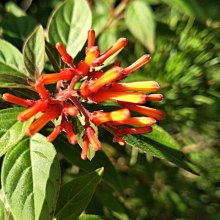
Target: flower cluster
(96, 87)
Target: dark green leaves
(69, 24)
(12, 131)
(12, 72)
(31, 178)
(160, 144)
(140, 22)
(34, 52)
(76, 194)
(72, 155)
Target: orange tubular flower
(148, 86)
(107, 77)
(52, 112)
(95, 87)
(151, 112)
(101, 117)
(133, 97)
(115, 48)
(93, 139)
(65, 56)
(137, 121)
(16, 100)
(39, 106)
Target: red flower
(97, 86)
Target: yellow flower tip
(16, 100)
(106, 78)
(100, 117)
(137, 121)
(133, 97)
(92, 54)
(93, 139)
(148, 86)
(136, 65)
(62, 51)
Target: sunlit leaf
(31, 178)
(11, 130)
(69, 24)
(12, 72)
(140, 22)
(34, 52)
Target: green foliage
(142, 180)
(31, 179)
(34, 52)
(72, 31)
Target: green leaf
(34, 52)
(54, 57)
(101, 12)
(31, 179)
(11, 130)
(12, 72)
(16, 27)
(69, 24)
(76, 194)
(4, 212)
(11, 7)
(90, 217)
(189, 7)
(140, 22)
(72, 154)
(160, 144)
